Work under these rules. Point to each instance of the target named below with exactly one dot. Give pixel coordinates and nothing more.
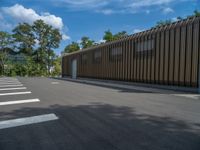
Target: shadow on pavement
(98, 126)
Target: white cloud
(118, 6)
(5, 26)
(22, 14)
(168, 10)
(106, 11)
(85, 4)
(1, 16)
(101, 41)
(65, 37)
(137, 30)
(148, 3)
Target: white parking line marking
(15, 93)
(27, 121)
(7, 89)
(193, 96)
(54, 82)
(11, 85)
(9, 80)
(19, 102)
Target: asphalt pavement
(50, 114)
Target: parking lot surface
(51, 114)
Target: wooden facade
(164, 55)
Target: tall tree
(5, 44)
(24, 38)
(53, 40)
(74, 46)
(49, 38)
(86, 42)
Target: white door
(74, 69)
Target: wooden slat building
(163, 55)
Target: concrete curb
(152, 88)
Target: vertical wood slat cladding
(129, 61)
(138, 60)
(195, 53)
(134, 62)
(166, 56)
(131, 58)
(157, 58)
(144, 73)
(141, 59)
(171, 55)
(182, 55)
(163, 55)
(153, 57)
(188, 54)
(126, 60)
(123, 64)
(177, 56)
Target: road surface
(50, 114)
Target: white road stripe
(193, 96)
(54, 82)
(19, 102)
(7, 89)
(8, 80)
(11, 85)
(27, 121)
(15, 93)
(1, 83)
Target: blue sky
(77, 18)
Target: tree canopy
(36, 43)
(168, 21)
(74, 46)
(109, 36)
(86, 42)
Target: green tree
(86, 42)
(197, 13)
(108, 36)
(74, 46)
(163, 22)
(49, 38)
(120, 35)
(57, 67)
(24, 38)
(5, 42)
